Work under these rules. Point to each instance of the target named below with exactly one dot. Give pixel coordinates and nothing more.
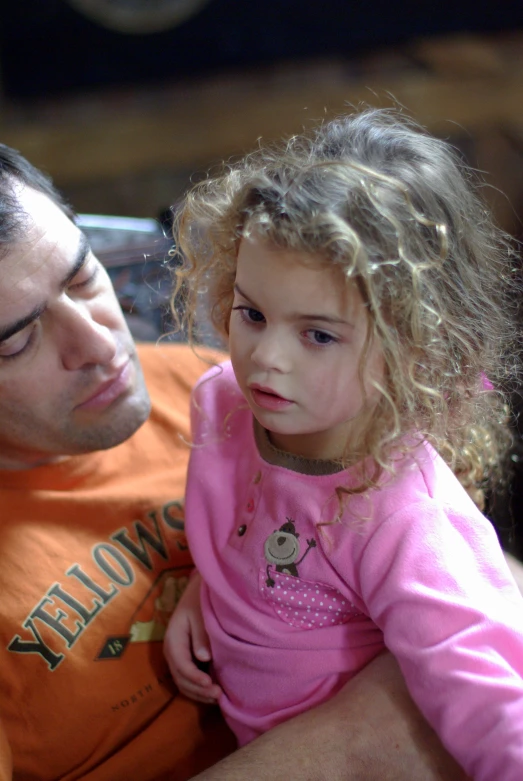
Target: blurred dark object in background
(135, 252)
(50, 47)
(138, 256)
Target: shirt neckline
(301, 464)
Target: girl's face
(297, 332)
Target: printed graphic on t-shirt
(149, 622)
(71, 607)
(302, 603)
(153, 614)
(282, 549)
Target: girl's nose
(271, 352)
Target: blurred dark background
(52, 46)
(124, 102)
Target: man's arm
(370, 731)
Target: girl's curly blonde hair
(399, 214)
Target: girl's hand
(186, 641)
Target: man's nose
(83, 340)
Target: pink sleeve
(440, 590)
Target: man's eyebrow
(82, 252)
(79, 260)
(13, 328)
(301, 315)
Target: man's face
(70, 380)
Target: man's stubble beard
(118, 423)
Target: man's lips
(266, 398)
(109, 390)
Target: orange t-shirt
(93, 560)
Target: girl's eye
(18, 343)
(319, 338)
(249, 314)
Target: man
(92, 551)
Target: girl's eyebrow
(237, 289)
(301, 315)
(322, 319)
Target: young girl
(367, 300)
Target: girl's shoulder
(421, 503)
(422, 475)
(216, 395)
(418, 479)
(222, 376)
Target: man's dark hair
(15, 169)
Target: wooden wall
(133, 151)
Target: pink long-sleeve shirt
(294, 608)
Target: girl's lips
(268, 400)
